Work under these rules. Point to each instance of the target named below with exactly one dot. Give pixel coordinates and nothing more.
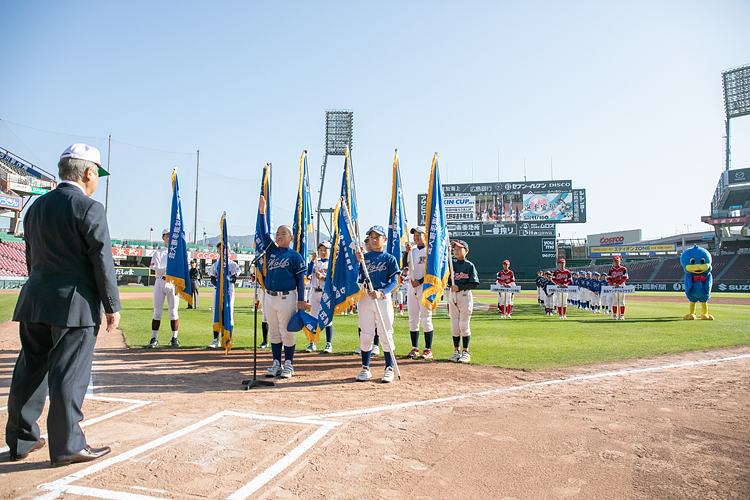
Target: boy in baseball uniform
(618, 275)
(163, 290)
(383, 271)
(465, 279)
(561, 277)
(505, 278)
(285, 289)
(418, 313)
(213, 273)
(316, 271)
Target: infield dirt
(672, 432)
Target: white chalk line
(576, 378)
(62, 486)
(135, 403)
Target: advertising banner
(738, 176)
(10, 202)
(460, 208)
(633, 250)
(727, 221)
(615, 238)
(131, 271)
(128, 252)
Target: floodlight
(338, 131)
(737, 92)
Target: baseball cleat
(364, 374)
(214, 344)
(427, 354)
(275, 369)
(153, 343)
(414, 353)
(288, 370)
(456, 356)
(465, 357)
(387, 375)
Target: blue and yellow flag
(222, 305)
(302, 224)
(436, 266)
(347, 187)
(265, 191)
(178, 268)
(341, 288)
(396, 222)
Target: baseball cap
(561, 260)
(418, 229)
(378, 229)
(300, 320)
(547, 272)
(461, 243)
(85, 152)
(165, 231)
(326, 244)
(616, 257)
(506, 261)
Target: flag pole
(406, 223)
(368, 285)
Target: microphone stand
(254, 382)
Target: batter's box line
(135, 404)
(619, 373)
(63, 485)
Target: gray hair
(73, 169)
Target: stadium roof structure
(20, 178)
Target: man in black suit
(71, 274)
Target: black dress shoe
(85, 455)
(37, 446)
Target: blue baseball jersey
(383, 270)
(284, 267)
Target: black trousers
(59, 359)
(194, 288)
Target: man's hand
(414, 283)
(302, 305)
(314, 257)
(408, 247)
(262, 205)
(375, 294)
(454, 288)
(112, 321)
(360, 255)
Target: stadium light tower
(736, 97)
(338, 137)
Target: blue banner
(302, 224)
(222, 304)
(342, 281)
(396, 223)
(347, 187)
(265, 191)
(436, 265)
(178, 269)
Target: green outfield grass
(529, 341)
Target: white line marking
(620, 373)
(62, 485)
(85, 423)
(264, 477)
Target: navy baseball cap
(461, 243)
(378, 229)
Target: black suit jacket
(69, 258)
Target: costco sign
(614, 238)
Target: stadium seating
(13, 259)
(739, 271)
(641, 271)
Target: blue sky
(625, 99)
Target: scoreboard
(510, 220)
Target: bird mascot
(696, 262)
